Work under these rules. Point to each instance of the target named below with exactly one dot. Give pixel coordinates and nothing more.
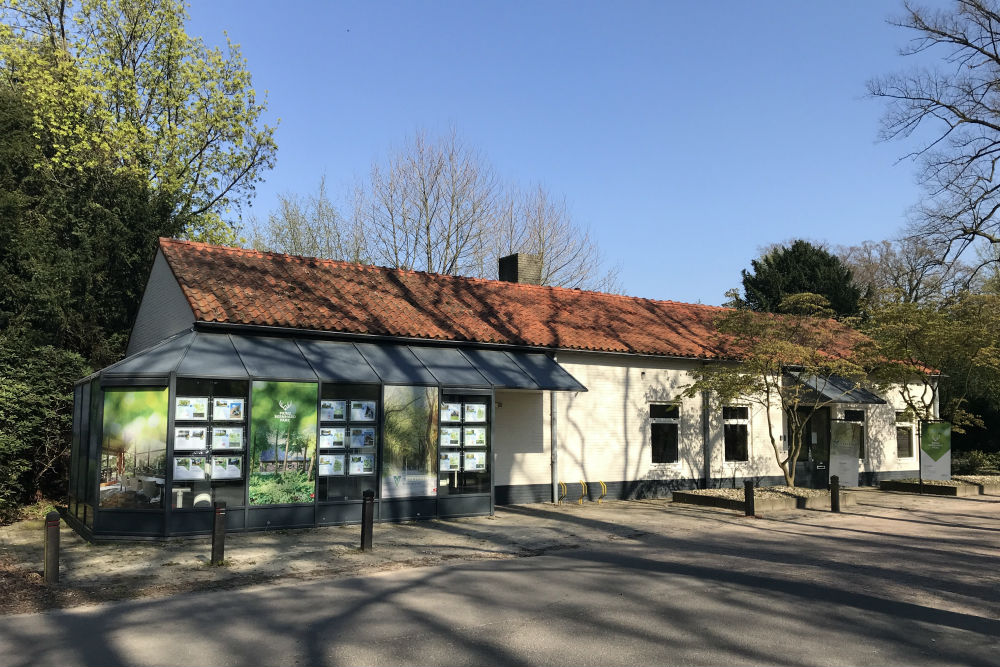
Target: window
(664, 429)
(857, 417)
(736, 422)
(904, 436)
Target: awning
(836, 389)
(237, 356)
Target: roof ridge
(431, 274)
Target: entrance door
(813, 469)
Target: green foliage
(119, 84)
(773, 350)
(292, 486)
(940, 353)
(36, 420)
(795, 269)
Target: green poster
(283, 442)
(935, 439)
(133, 447)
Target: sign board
(844, 452)
(935, 450)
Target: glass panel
(283, 442)
(664, 411)
(854, 415)
(663, 438)
(735, 412)
(409, 467)
(736, 441)
(904, 442)
(134, 448)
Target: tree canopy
(119, 84)
(799, 267)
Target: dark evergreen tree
(798, 268)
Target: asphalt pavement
(890, 583)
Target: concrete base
(763, 504)
(931, 489)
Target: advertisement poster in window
(362, 437)
(227, 467)
(227, 409)
(409, 465)
(451, 436)
(191, 467)
(133, 446)
(362, 464)
(475, 436)
(331, 438)
(475, 461)
(451, 461)
(844, 451)
(283, 421)
(362, 411)
(333, 411)
(191, 409)
(331, 465)
(475, 412)
(226, 438)
(187, 438)
(451, 412)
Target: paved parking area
(898, 579)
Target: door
(813, 469)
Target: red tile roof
(239, 286)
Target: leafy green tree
(940, 355)
(119, 83)
(800, 267)
(773, 351)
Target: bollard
(367, 519)
(834, 493)
(52, 548)
(748, 497)
(219, 534)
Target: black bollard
(219, 534)
(52, 548)
(748, 497)
(367, 519)
(834, 493)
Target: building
(287, 386)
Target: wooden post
(219, 534)
(834, 493)
(367, 519)
(748, 497)
(52, 548)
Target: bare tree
(536, 222)
(310, 226)
(907, 270)
(430, 205)
(955, 110)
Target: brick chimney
(521, 267)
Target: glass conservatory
(288, 432)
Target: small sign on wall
(935, 450)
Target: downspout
(554, 445)
(706, 440)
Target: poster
(362, 411)
(331, 438)
(451, 436)
(191, 468)
(227, 467)
(475, 436)
(935, 450)
(227, 409)
(451, 461)
(191, 409)
(844, 445)
(282, 462)
(475, 412)
(332, 411)
(362, 464)
(475, 461)
(451, 412)
(362, 437)
(226, 437)
(331, 465)
(133, 445)
(190, 438)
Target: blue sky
(687, 135)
